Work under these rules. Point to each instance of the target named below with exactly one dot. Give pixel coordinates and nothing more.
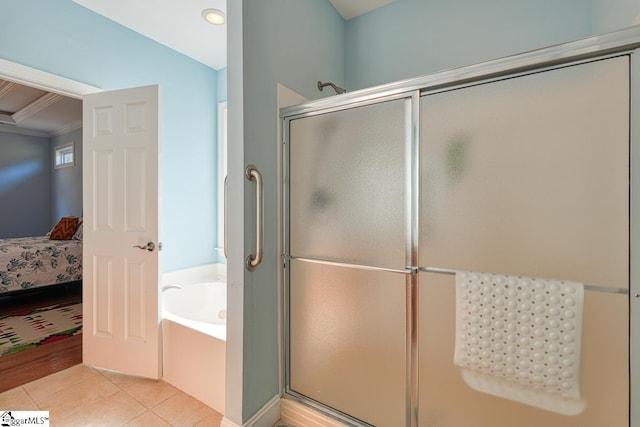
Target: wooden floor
(28, 365)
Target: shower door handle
(253, 174)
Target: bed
(32, 262)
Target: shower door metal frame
(411, 145)
(634, 241)
(619, 43)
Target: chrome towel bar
(409, 270)
(594, 288)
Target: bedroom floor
(10, 305)
(34, 363)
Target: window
(64, 156)
(222, 170)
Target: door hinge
(159, 246)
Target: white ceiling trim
(45, 81)
(7, 119)
(70, 127)
(21, 131)
(6, 87)
(39, 79)
(67, 128)
(36, 106)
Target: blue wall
(64, 38)
(412, 38)
(66, 183)
(296, 43)
(299, 42)
(25, 193)
(611, 15)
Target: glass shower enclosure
(501, 168)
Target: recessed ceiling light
(213, 16)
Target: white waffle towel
(519, 338)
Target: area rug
(40, 326)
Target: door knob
(149, 246)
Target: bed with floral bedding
(31, 262)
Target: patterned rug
(41, 326)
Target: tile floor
(85, 396)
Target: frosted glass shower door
(347, 179)
(347, 225)
(527, 176)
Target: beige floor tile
(121, 380)
(114, 410)
(151, 392)
(87, 391)
(60, 380)
(212, 420)
(148, 419)
(84, 396)
(182, 410)
(17, 399)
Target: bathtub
(194, 333)
(200, 306)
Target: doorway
(135, 155)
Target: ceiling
(35, 112)
(175, 24)
(180, 26)
(350, 9)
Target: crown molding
(69, 127)
(6, 119)
(21, 131)
(28, 76)
(36, 106)
(5, 87)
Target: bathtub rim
(176, 308)
(215, 272)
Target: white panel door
(121, 227)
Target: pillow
(65, 228)
(78, 234)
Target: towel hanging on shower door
(519, 338)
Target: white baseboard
(226, 423)
(267, 416)
(288, 413)
(294, 413)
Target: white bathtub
(194, 333)
(200, 306)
